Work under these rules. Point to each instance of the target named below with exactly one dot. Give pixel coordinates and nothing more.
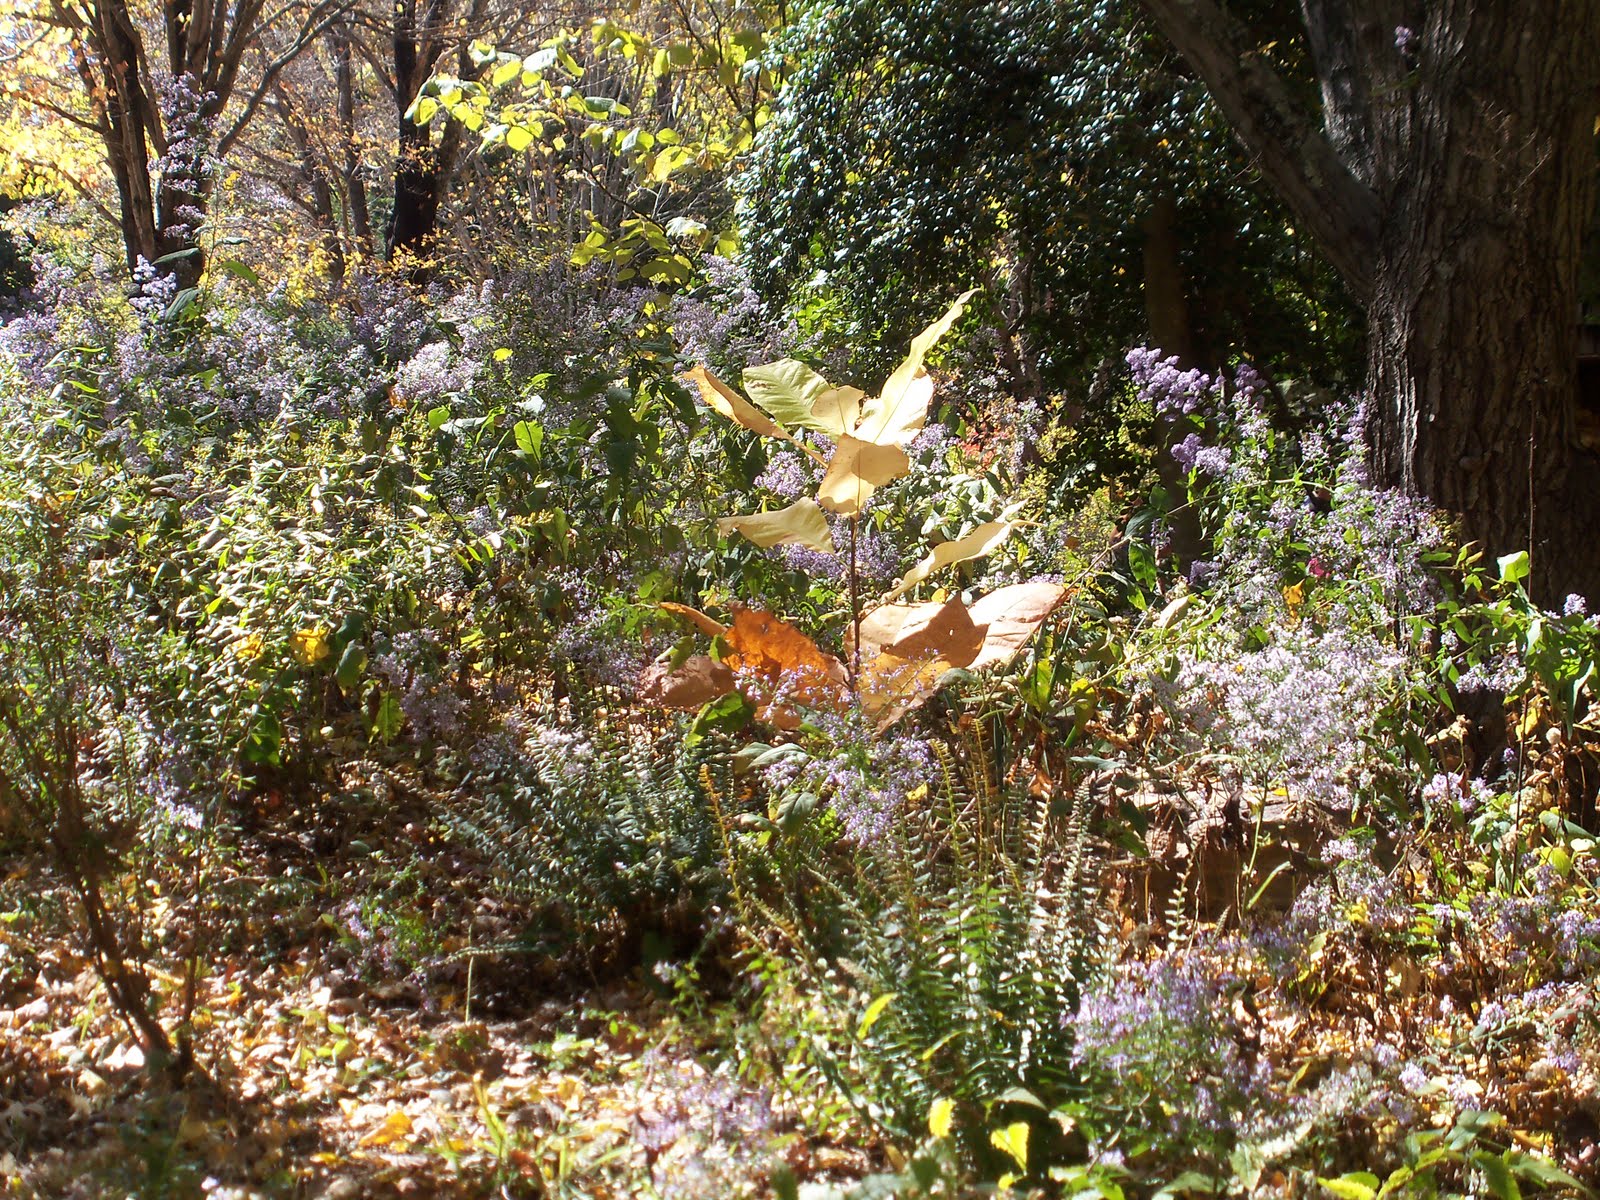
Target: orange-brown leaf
(778, 663)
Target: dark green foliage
(600, 822)
(1033, 148)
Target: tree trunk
(1450, 185)
(1472, 324)
(359, 231)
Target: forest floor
(328, 1069)
(349, 1045)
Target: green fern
(975, 915)
(599, 823)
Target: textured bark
(1473, 327)
(1450, 185)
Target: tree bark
(1473, 325)
(1450, 186)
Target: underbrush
(1077, 862)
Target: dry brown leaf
(700, 680)
(709, 626)
(856, 471)
(948, 632)
(1013, 615)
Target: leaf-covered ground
(330, 1069)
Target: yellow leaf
(874, 1011)
(941, 1117)
(310, 646)
(723, 399)
(395, 1126)
(248, 648)
(897, 413)
(857, 470)
(801, 523)
(1013, 1140)
(897, 425)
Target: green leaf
(530, 437)
(1497, 1175)
(519, 138)
(506, 72)
(1515, 567)
(390, 718)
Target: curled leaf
(897, 413)
(801, 523)
(709, 626)
(722, 398)
(981, 541)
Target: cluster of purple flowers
(1295, 713)
(415, 668)
(705, 1138)
(863, 778)
(726, 324)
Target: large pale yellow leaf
(797, 396)
(723, 399)
(802, 523)
(899, 410)
(857, 470)
(709, 626)
(979, 542)
(838, 409)
(898, 424)
(698, 681)
(1013, 615)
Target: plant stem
(855, 611)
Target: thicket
(1150, 805)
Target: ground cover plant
(610, 689)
